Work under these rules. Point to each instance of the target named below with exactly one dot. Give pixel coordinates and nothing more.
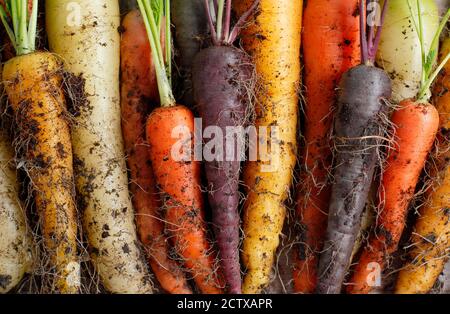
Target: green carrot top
(155, 13)
(429, 72)
(20, 25)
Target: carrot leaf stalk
(369, 46)
(153, 13)
(429, 72)
(21, 34)
(227, 66)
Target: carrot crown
(155, 13)
(429, 72)
(369, 46)
(221, 33)
(20, 24)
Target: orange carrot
(180, 181)
(170, 130)
(331, 47)
(416, 128)
(139, 90)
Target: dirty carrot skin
(33, 85)
(431, 236)
(331, 46)
(358, 131)
(273, 41)
(170, 130)
(416, 124)
(85, 34)
(229, 68)
(139, 91)
(16, 256)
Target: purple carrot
(358, 128)
(221, 76)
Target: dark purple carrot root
(190, 31)
(359, 126)
(220, 75)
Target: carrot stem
(21, 31)
(423, 97)
(428, 57)
(33, 26)
(219, 22)
(376, 42)
(149, 16)
(168, 43)
(362, 21)
(211, 23)
(227, 21)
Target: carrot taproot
(331, 46)
(416, 125)
(139, 91)
(269, 178)
(85, 33)
(33, 85)
(431, 237)
(169, 130)
(225, 108)
(358, 131)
